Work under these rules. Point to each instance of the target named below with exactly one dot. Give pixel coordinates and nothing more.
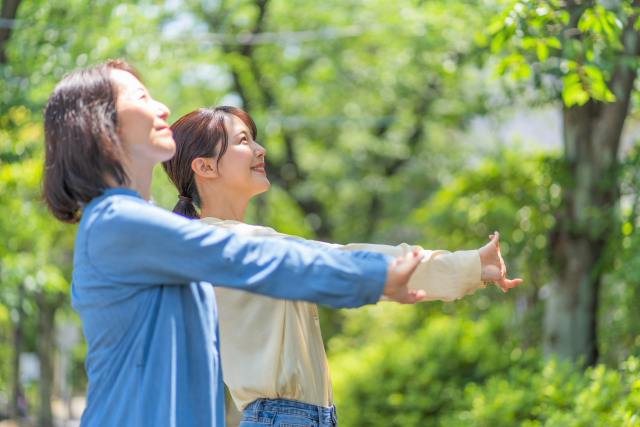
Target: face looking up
(142, 128)
(241, 168)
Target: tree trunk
(8, 12)
(47, 309)
(585, 220)
(18, 334)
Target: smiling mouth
(259, 168)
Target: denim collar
(120, 190)
(110, 192)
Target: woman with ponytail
(142, 276)
(273, 357)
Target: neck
(222, 203)
(140, 179)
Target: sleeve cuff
(373, 281)
(470, 272)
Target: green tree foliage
(343, 108)
(346, 113)
(579, 43)
(619, 324)
(414, 377)
(514, 194)
(586, 54)
(553, 395)
(362, 106)
(454, 371)
(36, 250)
(478, 361)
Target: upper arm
(132, 242)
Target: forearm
(442, 275)
(447, 276)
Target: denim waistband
(294, 407)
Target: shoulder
(123, 213)
(245, 229)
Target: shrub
(454, 372)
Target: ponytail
(186, 207)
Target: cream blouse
(273, 348)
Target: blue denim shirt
(142, 285)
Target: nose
(260, 150)
(163, 111)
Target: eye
(140, 94)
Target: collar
(212, 220)
(120, 190)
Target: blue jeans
(287, 413)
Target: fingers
(513, 283)
(506, 284)
(495, 238)
(407, 264)
(414, 297)
(402, 270)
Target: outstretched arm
(441, 275)
(135, 244)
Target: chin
(168, 151)
(264, 187)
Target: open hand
(396, 287)
(493, 268)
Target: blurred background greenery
(429, 122)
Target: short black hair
(82, 149)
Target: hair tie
(184, 199)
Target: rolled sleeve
(470, 272)
(447, 276)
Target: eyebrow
(133, 91)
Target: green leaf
(553, 42)
(582, 98)
(571, 79)
(497, 42)
(593, 72)
(572, 91)
(542, 50)
(609, 96)
(598, 88)
(522, 71)
(529, 42)
(495, 26)
(608, 29)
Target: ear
(205, 167)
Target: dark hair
(82, 149)
(201, 133)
